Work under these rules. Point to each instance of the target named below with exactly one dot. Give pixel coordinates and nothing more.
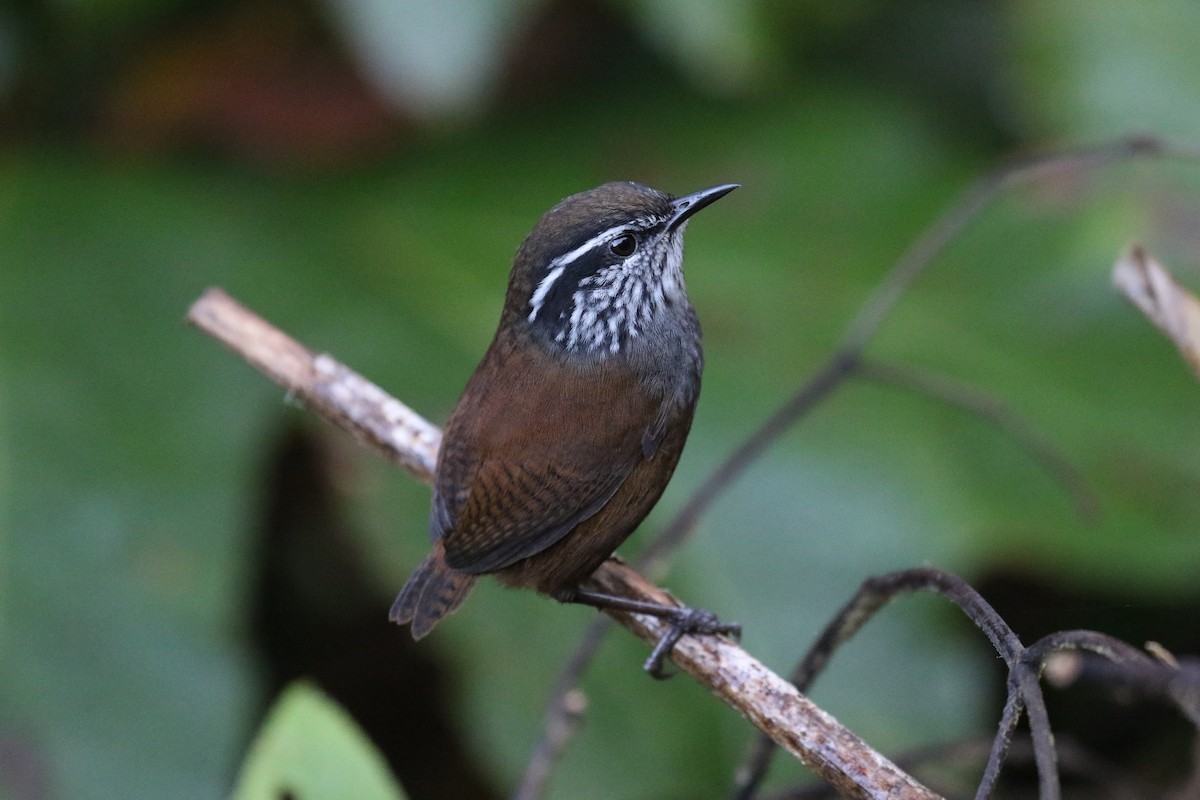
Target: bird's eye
(623, 245)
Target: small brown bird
(572, 424)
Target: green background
(132, 448)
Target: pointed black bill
(689, 204)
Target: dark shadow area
(315, 616)
(1144, 740)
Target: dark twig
(993, 410)
(1009, 717)
(1115, 650)
(1163, 676)
(1120, 666)
(876, 592)
(871, 315)
(1026, 673)
(1044, 755)
(843, 363)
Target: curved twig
(873, 595)
(1175, 680)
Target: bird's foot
(681, 621)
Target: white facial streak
(562, 262)
(543, 288)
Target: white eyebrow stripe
(562, 262)
(567, 258)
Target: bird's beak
(689, 204)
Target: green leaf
(310, 748)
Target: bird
(574, 421)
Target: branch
(1156, 293)
(768, 701)
(326, 387)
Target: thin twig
(842, 364)
(1164, 676)
(819, 386)
(1045, 756)
(1024, 689)
(873, 595)
(871, 315)
(1177, 680)
(921, 254)
(768, 701)
(1014, 704)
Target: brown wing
(533, 449)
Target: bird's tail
(433, 591)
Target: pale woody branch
(322, 384)
(768, 701)
(1168, 305)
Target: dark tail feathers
(433, 591)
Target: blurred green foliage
(308, 747)
(131, 461)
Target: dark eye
(623, 246)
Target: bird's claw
(686, 621)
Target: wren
(571, 426)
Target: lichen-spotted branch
(767, 700)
